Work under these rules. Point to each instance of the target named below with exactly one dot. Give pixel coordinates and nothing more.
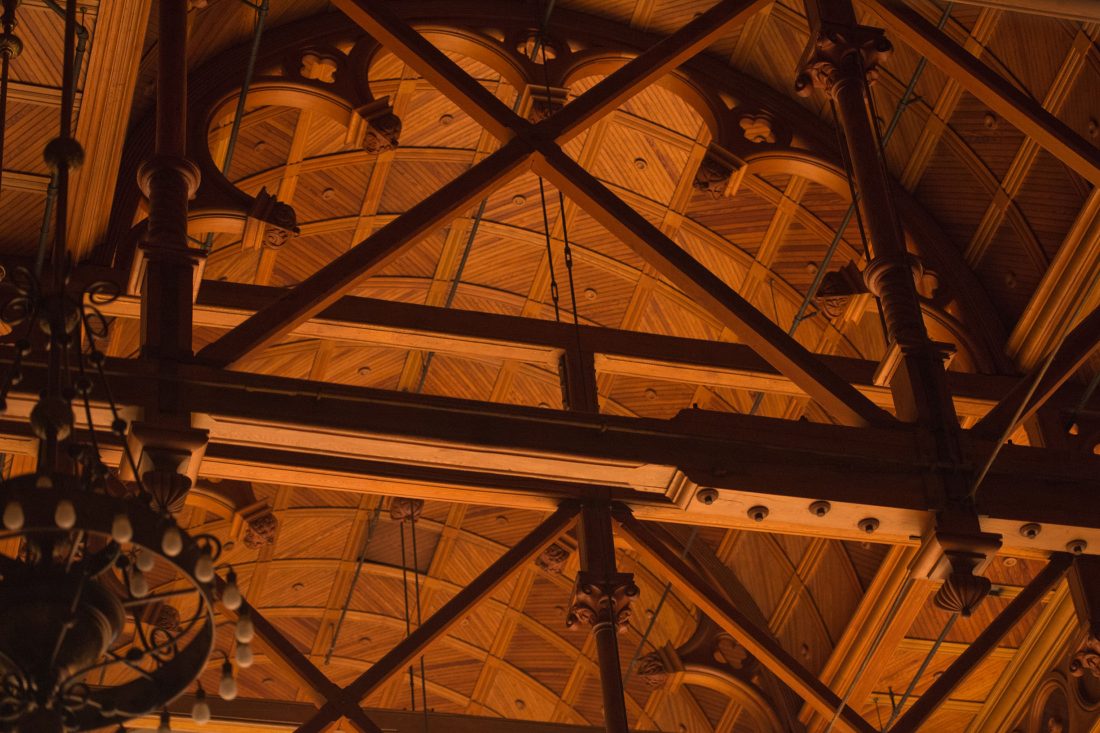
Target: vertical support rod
(169, 180)
(604, 592)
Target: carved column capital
(653, 670)
(893, 278)
(841, 53)
(601, 601)
(161, 165)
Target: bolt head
(706, 496)
(758, 513)
(820, 508)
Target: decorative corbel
(270, 223)
(374, 127)
(251, 520)
(720, 173)
(168, 460)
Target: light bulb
(200, 711)
(145, 561)
(245, 631)
(13, 516)
(139, 586)
(244, 656)
(227, 688)
(231, 594)
(204, 568)
(121, 529)
(65, 514)
(172, 541)
(165, 723)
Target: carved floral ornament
(1086, 658)
(319, 67)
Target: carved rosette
(261, 529)
(168, 488)
(962, 592)
(840, 53)
(1086, 658)
(598, 600)
(541, 102)
(653, 670)
(270, 222)
(719, 173)
(406, 510)
(553, 558)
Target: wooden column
(602, 599)
(169, 180)
(842, 60)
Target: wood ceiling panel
(41, 30)
(1008, 274)
(1030, 49)
(590, 234)
(544, 663)
(992, 138)
(640, 163)
(410, 182)
(648, 398)
(23, 214)
(661, 315)
(365, 366)
(1050, 199)
(332, 193)
(759, 564)
(952, 191)
(506, 526)
(452, 376)
(279, 589)
(507, 264)
(227, 261)
(866, 558)
(431, 120)
(326, 136)
(28, 127)
(742, 219)
(534, 387)
(302, 256)
(835, 589)
(667, 109)
(264, 144)
(312, 533)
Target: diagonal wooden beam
(289, 658)
(338, 277)
(986, 642)
(449, 614)
(801, 366)
(757, 641)
(671, 51)
(1020, 110)
(1077, 348)
(377, 18)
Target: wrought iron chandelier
(88, 562)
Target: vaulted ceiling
(1005, 229)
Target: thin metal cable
(1086, 396)
(372, 522)
(419, 622)
(9, 23)
(657, 609)
(478, 216)
(920, 670)
(879, 634)
(408, 623)
(242, 99)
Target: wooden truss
(602, 469)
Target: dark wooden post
(842, 60)
(169, 180)
(602, 599)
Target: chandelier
(89, 565)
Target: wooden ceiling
(1013, 235)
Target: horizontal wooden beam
(301, 433)
(1014, 105)
(390, 324)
